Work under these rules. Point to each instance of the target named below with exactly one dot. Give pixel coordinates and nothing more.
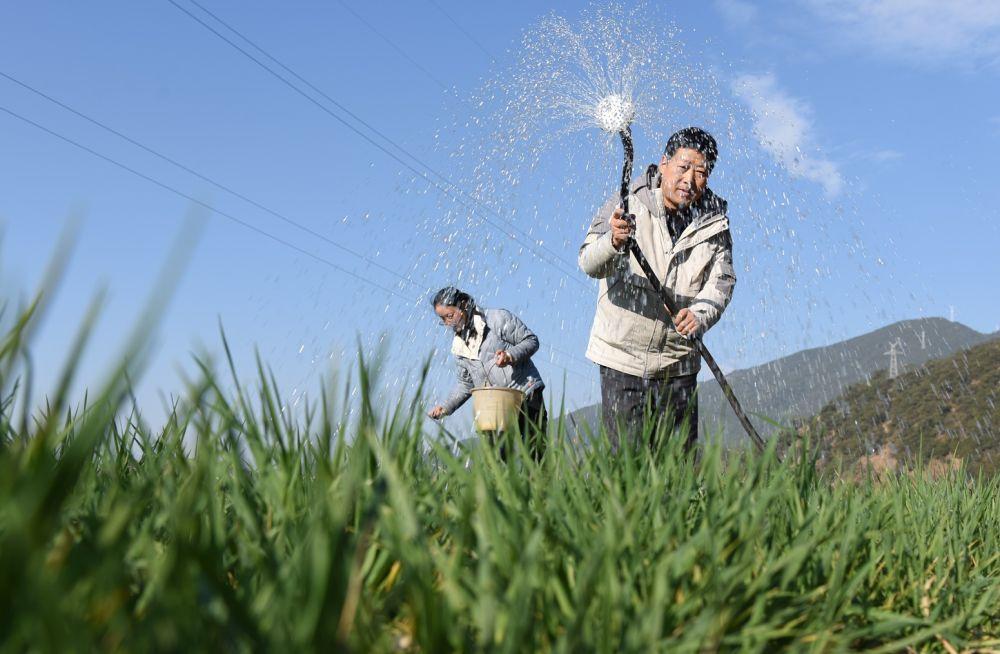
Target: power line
(222, 187)
(219, 185)
(450, 188)
(360, 120)
(419, 66)
(388, 41)
(201, 203)
(206, 178)
(461, 29)
(227, 215)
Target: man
(647, 362)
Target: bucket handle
(486, 371)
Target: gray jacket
(496, 329)
(631, 332)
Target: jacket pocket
(636, 295)
(692, 270)
(613, 324)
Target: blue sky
(879, 121)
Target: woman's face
(450, 316)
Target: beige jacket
(631, 331)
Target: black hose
(626, 135)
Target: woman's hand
(436, 412)
(503, 359)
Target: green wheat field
(240, 526)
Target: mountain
(944, 411)
(800, 384)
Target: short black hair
(450, 296)
(697, 139)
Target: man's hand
(436, 412)
(503, 359)
(686, 323)
(621, 228)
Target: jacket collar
(470, 348)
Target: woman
(492, 347)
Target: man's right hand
(436, 412)
(621, 228)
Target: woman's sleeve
(460, 392)
(523, 341)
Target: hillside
(800, 384)
(947, 408)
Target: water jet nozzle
(614, 113)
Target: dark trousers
(532, 423)
(671, 403)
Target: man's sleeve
(523, 340)
(715, 295)
(598, 257)
(461, 392)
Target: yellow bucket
(495, 407)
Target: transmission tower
(895, 348)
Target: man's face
(685, 177)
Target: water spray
(614, 114)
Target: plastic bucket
(495, 408)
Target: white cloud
(784, 127)
(966, 32)
(736, 13)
